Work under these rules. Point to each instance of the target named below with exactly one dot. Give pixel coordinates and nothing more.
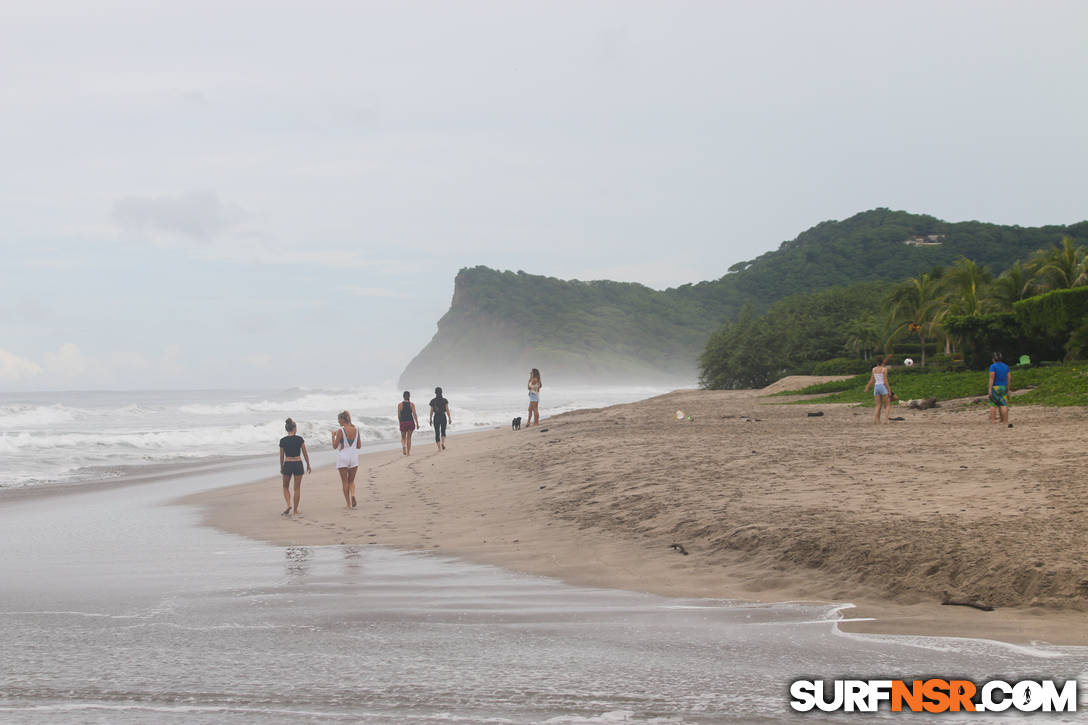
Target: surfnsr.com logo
(933, 695)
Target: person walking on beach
(440, 413)
(346, 440)
(1000, 379)
(292, 451)
(534, 397)
(406, 414)
(882, 390)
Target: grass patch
(1062, 385)
(1059, 386)
(832, 386)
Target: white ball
(908, 362)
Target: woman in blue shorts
(882, 390)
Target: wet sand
(769, 503)
(119, 609)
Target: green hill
(502, 323)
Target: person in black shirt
(292, 451)
(440, 413)
(409, 421)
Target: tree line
(953, 315)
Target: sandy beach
(769, 503)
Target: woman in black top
(406, 414)
(291, 446)
(440, 413)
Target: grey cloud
(196, 98)
(196, 215)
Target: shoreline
(130, 476)
(771, 505)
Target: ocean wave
(61, 437)
(31, 416)
(330, 402)
(185, 443)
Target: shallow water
(120, 609)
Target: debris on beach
(947, 600)
(817, 414)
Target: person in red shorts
(406, 414)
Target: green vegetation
(873, 245)
(1058, 385)
(982, 334)
(955, 317)
(499, 322)
(1049, 319)
(796, 333)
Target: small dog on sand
(515, 424)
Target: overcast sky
(275, 194)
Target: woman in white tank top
(882, 390)
(346, 442)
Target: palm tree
(889, 331)
(965, 282)
(1015, 284)
(863, 335)
(1062, 266)
(964, 285)
(917, 307)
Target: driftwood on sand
(949, 601)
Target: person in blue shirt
(1000, 379)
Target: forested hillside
(956, 316)
(502, 323)
(873, 245)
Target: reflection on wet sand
(298, 561)
(353, 559)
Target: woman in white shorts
(346, 442)
(534, 397)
